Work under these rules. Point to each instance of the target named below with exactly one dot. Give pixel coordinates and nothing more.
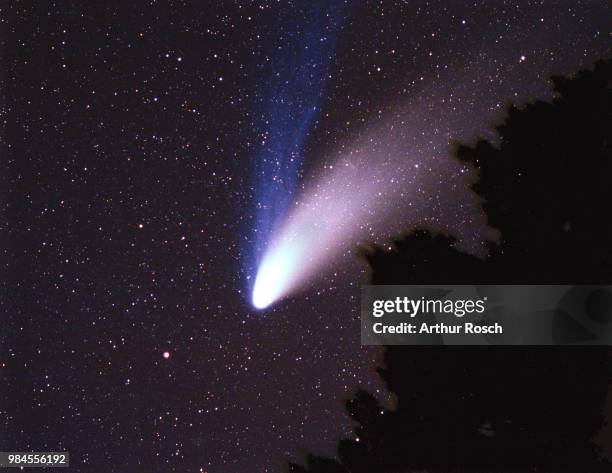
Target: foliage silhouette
(546, 187)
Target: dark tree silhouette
(546, 186)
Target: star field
(131, 147)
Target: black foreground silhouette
(547, 187)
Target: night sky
(150, 149)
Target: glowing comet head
(275, 273)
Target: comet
(389, 177)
